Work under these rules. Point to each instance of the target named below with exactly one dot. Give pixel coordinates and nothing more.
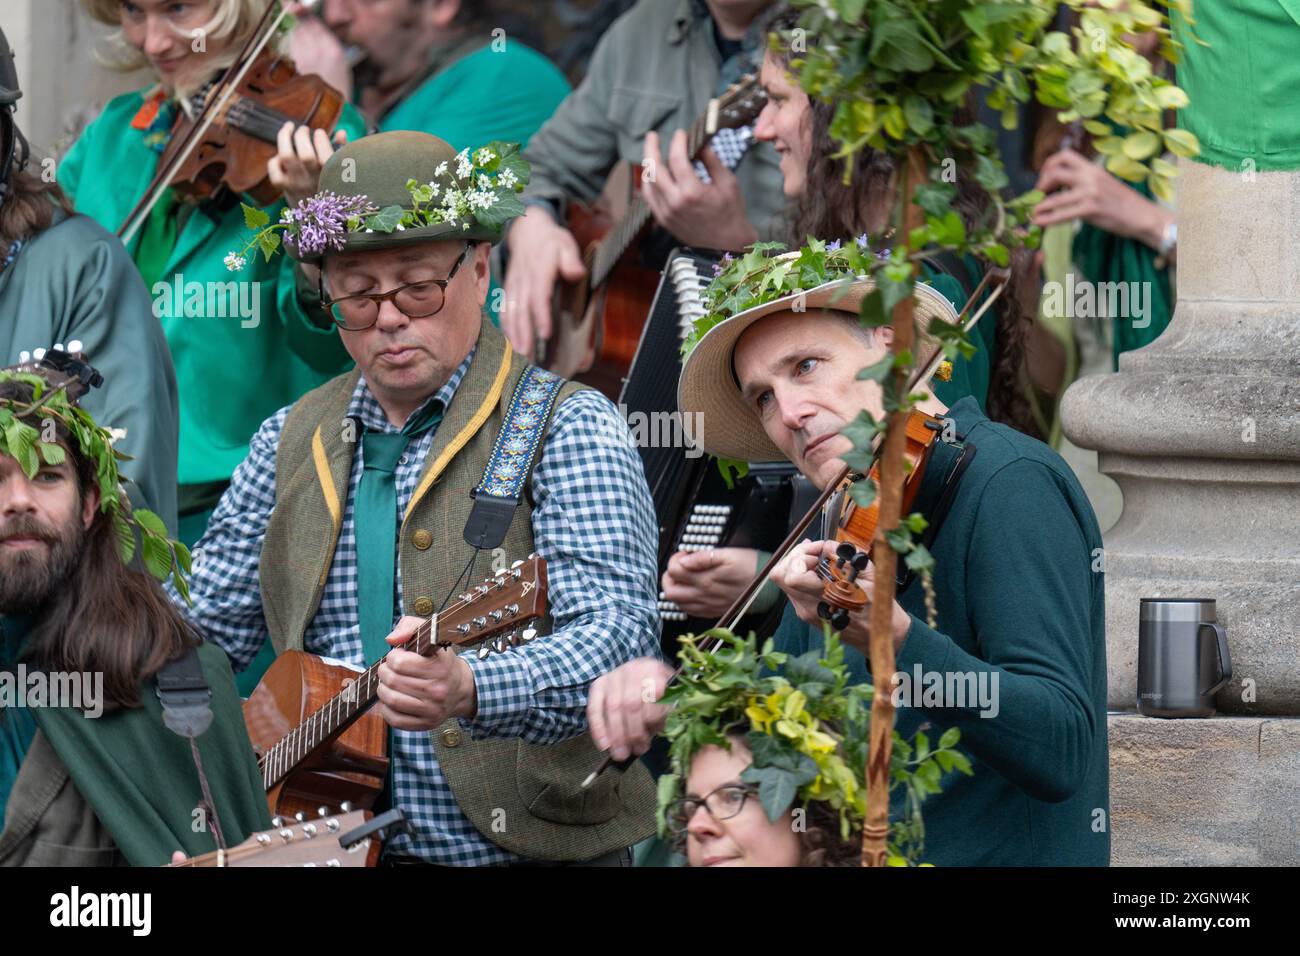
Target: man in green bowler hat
(366, 506)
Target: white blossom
(235, 262)
(115, 435)
(484, 156)
(441, 170)
(463, 166)
(507, 178)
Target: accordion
(695, 508)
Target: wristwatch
(1168, 242)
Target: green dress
(244, 344)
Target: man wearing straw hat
(1013, 654)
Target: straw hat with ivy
(767, 280)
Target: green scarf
(140, 779)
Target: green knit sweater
(1018, 602)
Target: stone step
(1220, 791)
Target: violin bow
(212, 108)
(740, 606)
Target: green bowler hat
(379, 168)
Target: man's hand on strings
(711, 215)
(419, 693)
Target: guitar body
(597, 330)
(351, 767)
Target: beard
(30, 579)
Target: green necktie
(375, 524)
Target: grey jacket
(656, 68)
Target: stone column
(1201, 430)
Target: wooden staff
(875, 829)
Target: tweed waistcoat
(555, 819)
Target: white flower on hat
(484, 156)
(441, 170)
(463, 166)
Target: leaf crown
(162, 557)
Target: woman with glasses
(244, 342)
(720, 822)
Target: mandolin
(309, 719)
(310, 843)
(598, 320)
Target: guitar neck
(340, 713)
(507, 599)
(637, 216)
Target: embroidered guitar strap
(515, 453)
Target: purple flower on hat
(320, 222)
(862, 241)
(833, 246)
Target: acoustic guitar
(310, 843)
(598, 320)
(309, 719)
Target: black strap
(939, 512)
(185, 695)
(186, 700)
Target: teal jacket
(1018, 599)
(244, 344)
(74, 281)
(478, 91)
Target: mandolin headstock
(738, 105)
(492, 613)
(299, 843)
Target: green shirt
(1016, 597)
(244, 344)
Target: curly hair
(839, 210)
(819, 831)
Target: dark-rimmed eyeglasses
(415, 300)
(722, 804)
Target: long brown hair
(28, 208)
(836, 210)
(106, 617)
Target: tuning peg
(502, 645)
(345, 806)
(527, 635)
(322, 811)
(845, 551)
(277, 822)
(516, 565)
(824, 610)
(300, 816)
(483, 651)
(514, 638)
(860, 562)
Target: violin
(228, 144)
(856, 529)
(241, 140)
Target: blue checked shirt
(593, 524)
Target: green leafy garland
(481, 189)
(163, 558)
(808, 730)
